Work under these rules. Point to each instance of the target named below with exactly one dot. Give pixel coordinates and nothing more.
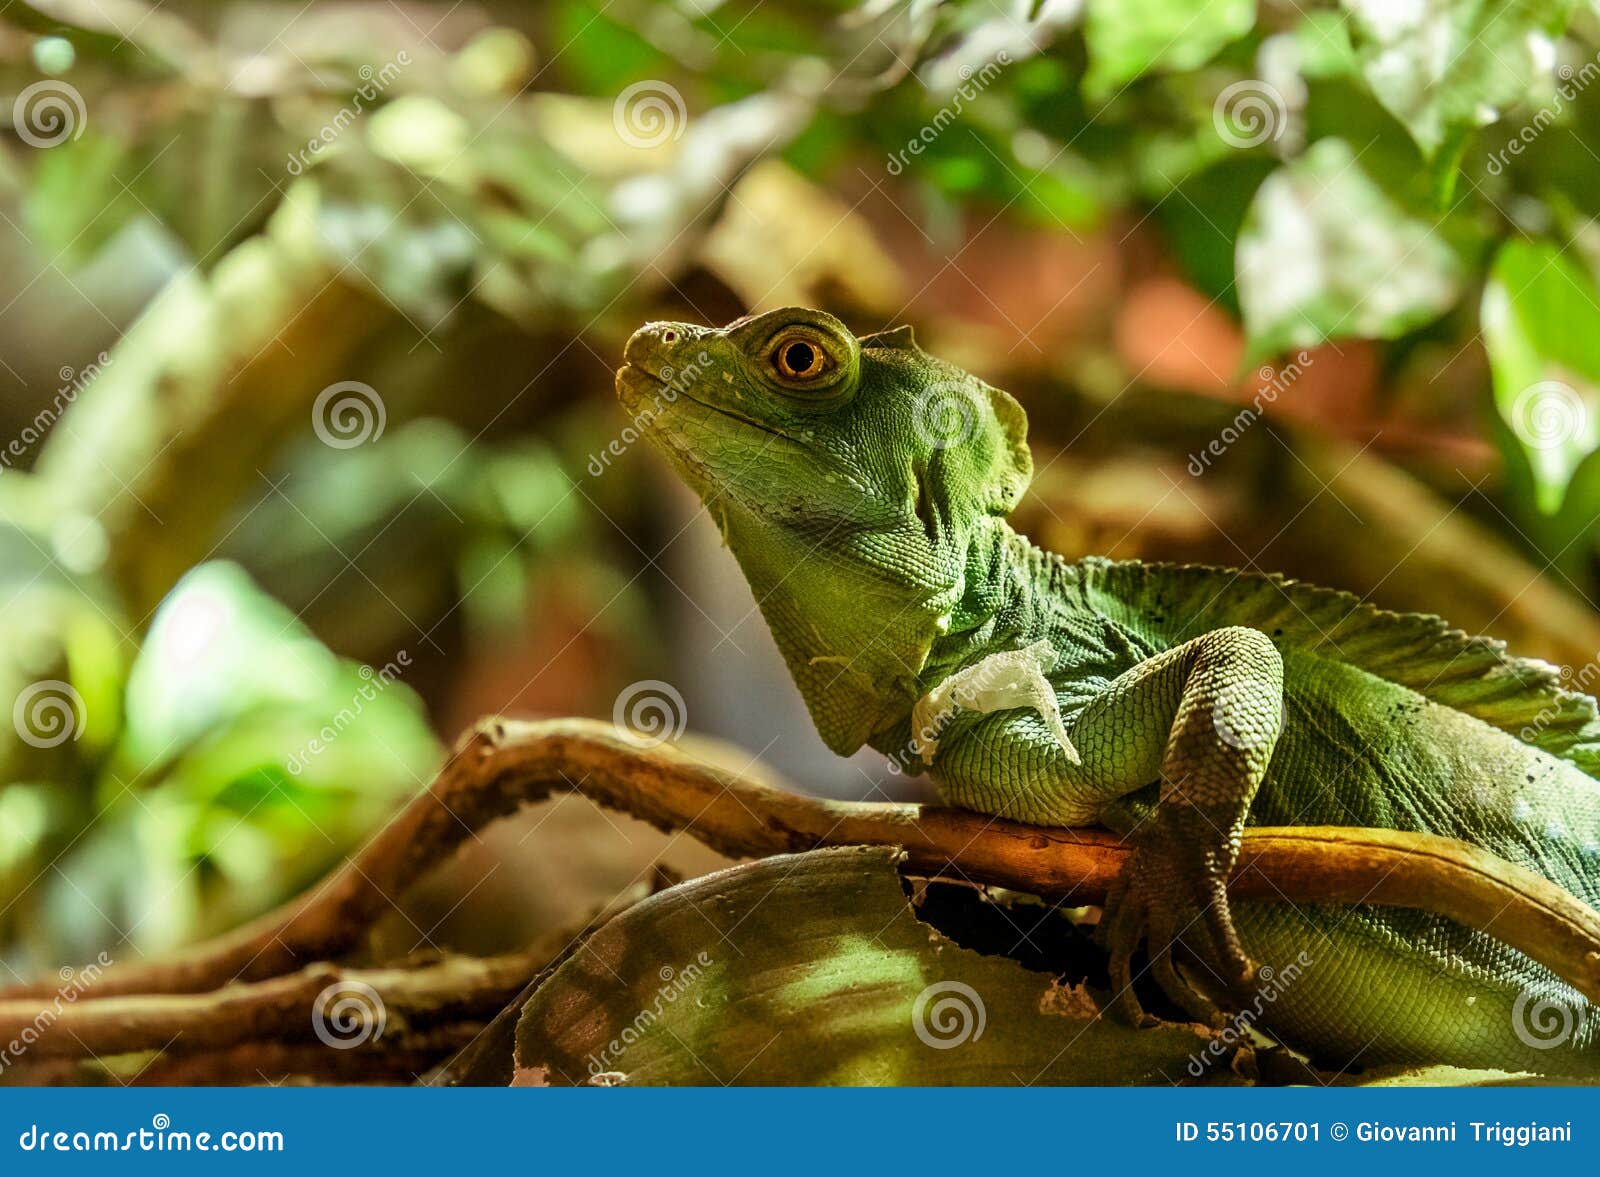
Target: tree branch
(388, 1023)
(279, 1009)
(503, 765)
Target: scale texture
(863, 486)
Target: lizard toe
(1196, 1004)
(1120, 932)
(1172, 925)
(1225, 955)
(1168, 910)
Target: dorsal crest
(1525, 697)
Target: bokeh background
(309, 456)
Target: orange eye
(798, 357)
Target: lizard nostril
(669, 336)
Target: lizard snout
(655, 347)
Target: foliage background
(1302, 287)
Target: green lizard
(863, 485)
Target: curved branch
(383, 1022)
(503, 765)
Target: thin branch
(400, 1020)
(503, 765)
(277, 1010)
(252, 1063)
(281, 1062)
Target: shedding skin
(1005, 681)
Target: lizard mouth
(650, 401)
(635, 382)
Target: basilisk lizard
(863, 486)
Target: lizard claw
(1170, 902)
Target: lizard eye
(801, 359)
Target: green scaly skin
(863, 486)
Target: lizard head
(849, 477)
(791, 420)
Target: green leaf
(1443, 67)
(222, 659)
(77, 202)
(217, 648)
(250, 748)
(1203, 221)
(1541, 325)
(62, 665)
(1322, 43)
(1324, 254)
(1129, 39)
(817, 969)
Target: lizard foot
(1169, 896)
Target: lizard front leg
(1201, 719)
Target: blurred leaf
(59, 626)
(784, 241)
(75, 203)
(600, 55)
(1444, 67)
(496, 61)
(1322, 40)
(1325, 254)
(418, 132)
(219, 650)
(1204, 220)
(420, 257)
(978, 34)
(107, 26)
(817, 969)
(1132, 38)
(1541, 324)
(251, 758)
(425, 518)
